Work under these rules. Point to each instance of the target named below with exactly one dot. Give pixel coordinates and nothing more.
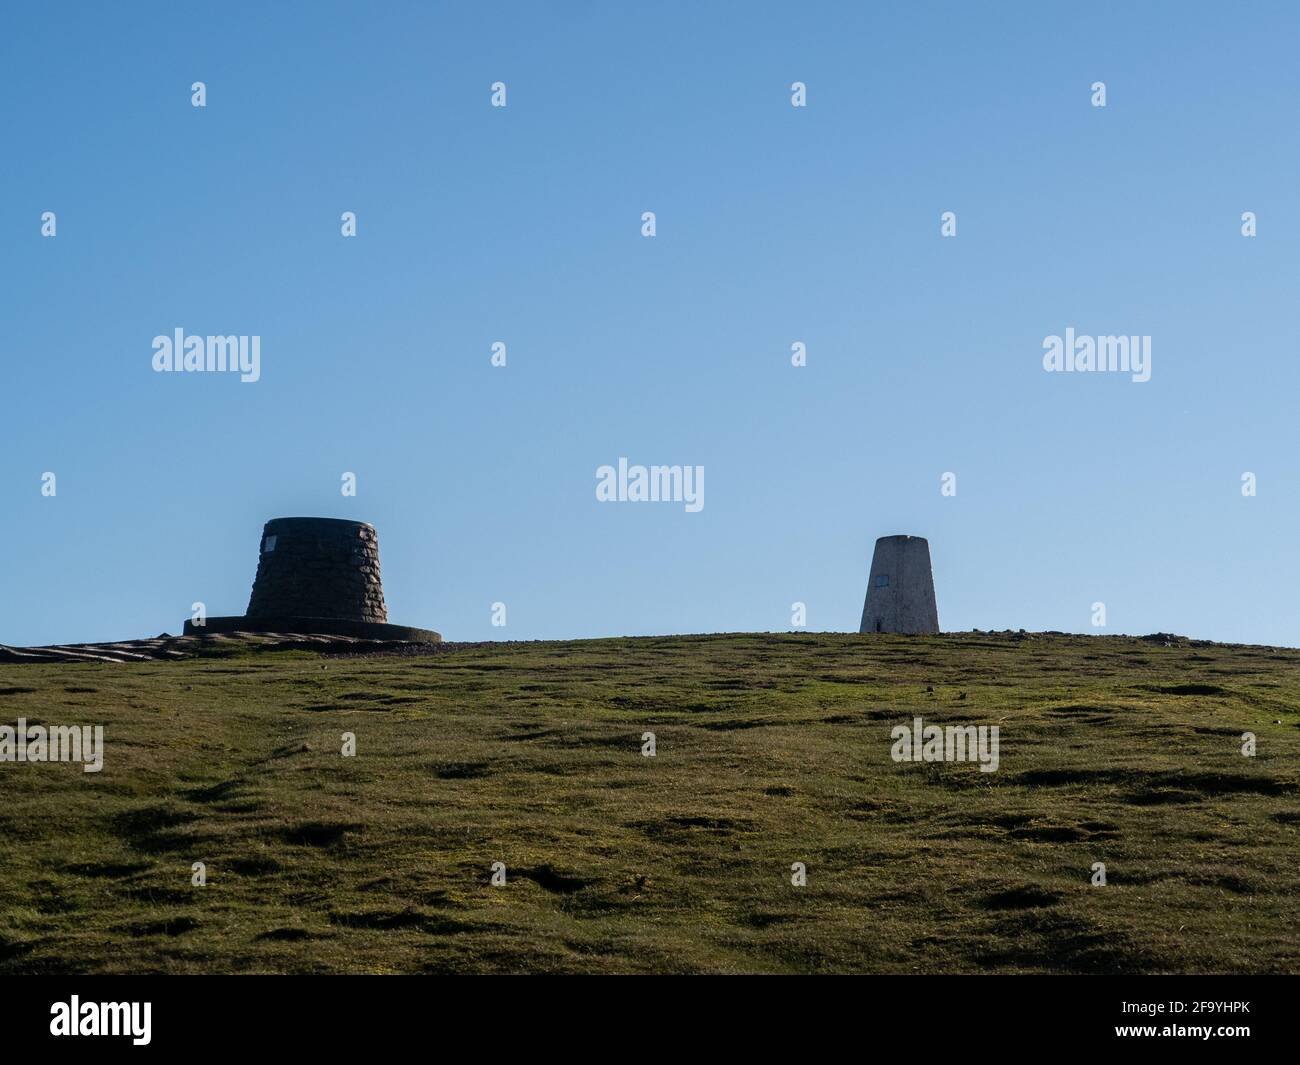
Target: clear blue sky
(775, 225)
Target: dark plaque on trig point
(317, 576)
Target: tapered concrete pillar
(900, 590)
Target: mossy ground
(772, 749)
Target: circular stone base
(361, 630)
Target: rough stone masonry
(316, 576)
(318, 568)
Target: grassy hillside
(772, 749)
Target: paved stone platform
(167, 647)
(361, 630)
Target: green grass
(772, 749)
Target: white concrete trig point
(900, 590)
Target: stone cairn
(317, 576)
(318, 568)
